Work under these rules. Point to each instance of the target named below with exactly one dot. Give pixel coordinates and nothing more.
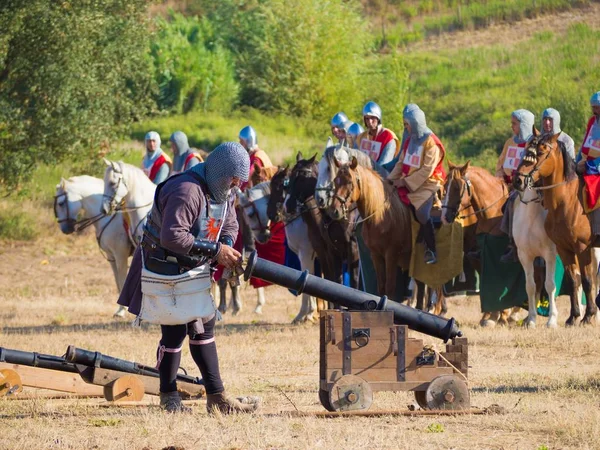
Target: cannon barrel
(96, 359)
(350, 298)
(34, 359)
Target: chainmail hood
(526, 121)
(419, 131)
(555, 116)
(225, 162)
(181, 142)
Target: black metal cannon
(350, 298)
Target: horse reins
(78, 225)
(467, 188)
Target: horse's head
(254, 206)
(115, 186)
(303, 179)
(346, 189)
(458, 191)
(67, 205)
(327, 172)
(279, 184)
(539, 161)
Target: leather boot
(171, 402)
(227, 405)
(429, 238)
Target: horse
(386, 220)
(129, 190)
(262, 174)
(84, 194)
(327, 171)
(298, 240)
(566, 223)
(472, 192)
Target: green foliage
(299, 57)
(468, 95)
(72, 74)
(17, 224)
(192, 70)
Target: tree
(72, 75)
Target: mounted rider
(354, 131)
(588, 165)
(183, 156)
(249, 141)
(522, 124)
(419, 174)
(192, 224)
(380, 143)
(551, 127)
(156, 163)
(339, 126)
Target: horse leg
(236, 299)
(260, 300)
(588, 281)
(573, 280)
(420, 294)
(390, 276)
(530, 287)
(550, 285)
(308, 304)
(379, 264)
(222, 285)
(119, 280)
(443, 304)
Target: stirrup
(430, 257)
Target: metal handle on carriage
(354, 299)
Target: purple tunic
(181, 200)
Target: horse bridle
(344, 201)
(467, 186)
(262, 227)
(121, 179)
(78, 225)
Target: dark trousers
(202, 348)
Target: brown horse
(262, 174)
(476, 196)
(387, 221)
(566, 223)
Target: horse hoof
(552, 323)
(571, 321)
(529, 324)
(488, 323)
(587, 320)
(120, 312)
(258, 310)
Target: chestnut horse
(386, 220)
(566, 223)
(473, 193)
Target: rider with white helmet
(258, 158)
(156, 163)
(380, 143)
(339, 126)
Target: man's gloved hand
(229, 257)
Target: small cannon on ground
(367, 347)
(85, 373)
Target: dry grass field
(59, 291)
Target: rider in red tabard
(380, 143)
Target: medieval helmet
(553, 114)
(152, 136)
(248, 134)
(340, 120)
(372, 109)
(355, 130)
(595, 100)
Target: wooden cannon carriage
(367, 348)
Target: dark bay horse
(566, 223)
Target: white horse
(83, 194)
(533, 241)
(128, 189)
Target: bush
(16, 224)
(194, 73)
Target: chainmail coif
(225, 162)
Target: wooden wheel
(324, 399)
(447, 392)
(350, 393)
(421, 400)
(10, 382)
(127, 388)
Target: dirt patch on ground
(508, 34)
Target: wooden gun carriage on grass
(367, 348)
(85, 374)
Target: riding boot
(510, 255)
(171, 402)
(429, 238)
(227, 405)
